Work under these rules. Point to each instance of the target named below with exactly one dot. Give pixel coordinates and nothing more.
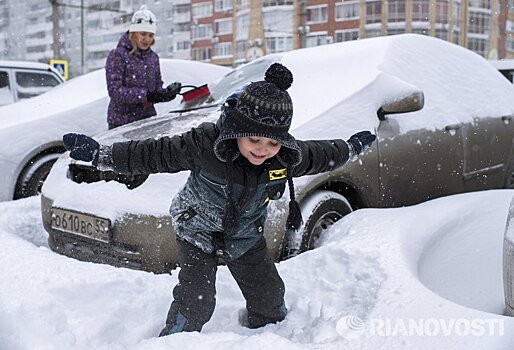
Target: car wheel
(319, 212)
(32, 178)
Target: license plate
(81, 224)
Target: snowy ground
(420, 277)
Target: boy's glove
(361, 141)
(169, 94)
(81, 147)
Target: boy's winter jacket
(198, 208)
(129, 78)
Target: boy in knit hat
(237, 165)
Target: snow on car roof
(451, 77)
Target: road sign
(61, 66)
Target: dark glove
(361, 141)
(167, 95)
(81, 147)
(173, 89)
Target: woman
(133, 73)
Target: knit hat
(143, 20)
(261, 109)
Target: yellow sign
(61, 66)
(277, 174)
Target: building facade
(231, 32)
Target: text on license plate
(81, 224)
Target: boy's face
(258, 149)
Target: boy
(222, 207)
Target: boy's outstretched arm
(326, 155)
(164, 155)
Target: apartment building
(87, 30)
(231, 32)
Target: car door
(487, 146)
(418, 165)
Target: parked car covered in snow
(31, 130)
(442, 114)
(20, 80)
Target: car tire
(319, 211)
(33, 175)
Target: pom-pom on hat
(143, 20)
(261, 109)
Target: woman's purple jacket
(129, 77)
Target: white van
(20, 79)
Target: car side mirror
(410, 103)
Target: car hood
(168, 124)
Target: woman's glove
(81, 147)
(169, 94)
(360, 141)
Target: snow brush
(195, 93)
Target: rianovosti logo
(351, 327)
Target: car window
(6, 95)
(238, 78)
(34, 83)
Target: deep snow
(437, 264)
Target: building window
(183, 45)
(346, 35)
(222, 5)
(347, 11)
(316, 39)
(441, 8)
(421, 10)
(223, 49)
(482, 4)
(373, 11)
(372, 33)
(202, 54)
(201, 10)
(202, 31)
(396, 10)
(278, 20)
(395, 31)
(266, 3)
(317, 14)
(279, 44)
(223, 26)
(441, 34)
(182, 27)
(181, 9)
(242, 26)
(241, 49)
(478, 45)
(478, 22)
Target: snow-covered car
(20, 80)
(31, 130)
(442, 114)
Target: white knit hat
(143, 20)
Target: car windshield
(237, 78)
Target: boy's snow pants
(195, 294)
